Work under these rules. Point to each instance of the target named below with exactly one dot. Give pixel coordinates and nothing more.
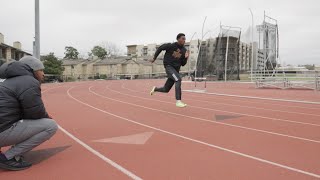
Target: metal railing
(291, 80)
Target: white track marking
(197, 141)
(93, 151)
(49, 89)
(247, 101)
(226, 104)
(105, 159)
(254, 97)
(249, 115)
(202, 119)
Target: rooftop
(11, 47)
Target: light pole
(195, 74)
(189, 65)
(251, 43)
(227, 48)
(226, 61)
(37, 31)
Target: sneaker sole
(182, 106)
(10, 168)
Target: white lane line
(197, 141)
(105, 159)
(197, 118)
(49, 89)
(243, 100)
(254, 97)
(93, 151)
(250, 115)
(234, 105)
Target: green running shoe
(180, 104)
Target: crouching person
(24, 122)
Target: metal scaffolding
(269, 40)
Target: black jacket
(174, 56)
(20, 95)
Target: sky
(84, 24)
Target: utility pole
(199, 48)
(251, 43)
(37, 31)
(226, 61)
(189, 63)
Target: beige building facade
(9, 53)
(136, 63)
(112, 68)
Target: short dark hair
(179, 35)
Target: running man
(176, 56)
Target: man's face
(39, 75)
(182, 40)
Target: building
(8, 53)
(142, 50)
(132, 50)
(245, 57)
(148, 51)
(73, 68)
(210, 60)
(260, 60)
(116, 67)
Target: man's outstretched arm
(163, 47)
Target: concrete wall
(139, 50)
(152, 49)
(132, 68)
(17, 45)
(1, 38)
(245, 57)
(73, 70)
(8, 54)
(132, 50)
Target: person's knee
(52, 126)
(178, 82)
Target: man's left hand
(187, 55)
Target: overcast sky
(83, 24)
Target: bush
(103, 76)
(96, 77)
(70, 79)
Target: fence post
(317, 81)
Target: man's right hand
(152, 60)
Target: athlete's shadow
(38, 156)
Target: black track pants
(173, 78)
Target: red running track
(215, 137)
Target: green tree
(309, 66)
(99, 51)
(52, 64)
(71, 53)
